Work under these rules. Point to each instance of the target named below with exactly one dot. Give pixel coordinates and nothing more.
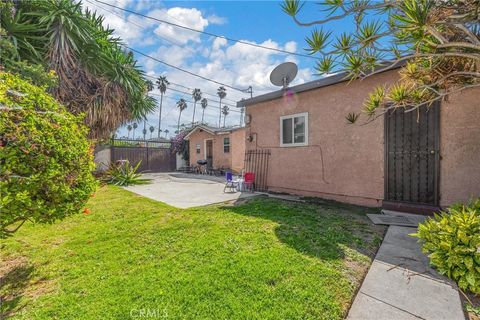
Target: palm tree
(181, 105)
(135, 126)
(144, 131)
(162, 84)
(204, 105)
(225, 113)
(166, 132)
(129, 128)
(96, 76)
(222, 93)
(152, 128)
(197, 96)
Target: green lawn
(261, 259)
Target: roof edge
(312, 85)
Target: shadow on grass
(12, 286)
(318, 228)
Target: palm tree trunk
(194, 105)
(220, 116)
(178, 124)
(144, 128)
(133, 137)
(203, 113)
(224, 118)
(160, 115)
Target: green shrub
(124, 174)
(452, 240)
(45, 157)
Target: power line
(191, 89)
(186, 71)
(209, 33)
(163, 38)
(189, 101)
(139, 26)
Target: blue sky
(239, 65)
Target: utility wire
(140, 26)
(191, 89)
(186, 100)
(163, 38)
(208, 33)
(186, 71)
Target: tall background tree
(129, 128)
(162, 84)
(222, 93)
(149, 87)
(435, 43)
(95, 74)
(225, 112)
(204, 104)
(197, 96)
(181, 105)
(152, 129)
(135, 126)
(166, 132)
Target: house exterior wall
(352, 166)
(237, 149)
(460, 148)
(232, 159)
(346, 162)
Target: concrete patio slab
(401, 285)
(186, 190)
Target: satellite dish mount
(284, 74)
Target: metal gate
(412, 155)
(154, 156)
(256, 161)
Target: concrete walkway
(401, 285)
(183, 190)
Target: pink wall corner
(460, 148)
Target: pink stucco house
(221, 147)
(395, 161)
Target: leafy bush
(45, 157)
(124, 174)
(452, 240)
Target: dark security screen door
(412, 155)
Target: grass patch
(262, 259)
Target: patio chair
(230, 183)
(249, 180)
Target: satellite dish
(284, 74)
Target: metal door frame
(436, 181)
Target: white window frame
(293, 144)
(229, 144)
(198, 149)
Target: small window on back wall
(198, 148)
(294, 130)
(226, 145)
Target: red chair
(249, 180)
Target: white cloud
(188, 17)
(214, 19)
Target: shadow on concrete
(401, 250)
(320, 230)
